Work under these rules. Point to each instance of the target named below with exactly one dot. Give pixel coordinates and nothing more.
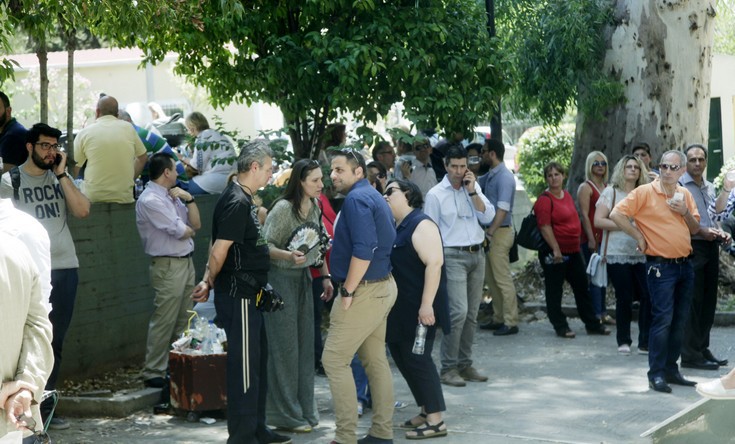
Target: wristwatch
(62, 175)
(344, 293)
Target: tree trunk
(70, 47)
(661, 52)
(42, 55)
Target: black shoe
(368, 439)
(319, 371)
(700, 365)
(505, 331)
(155, 382)
(658, 384)
(710, 357)
(491, 325)
(276, 438)
(678, 379)
(601, 330)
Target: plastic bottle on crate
(216, 344)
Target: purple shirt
(162, 221)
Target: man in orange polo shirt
(665, 216)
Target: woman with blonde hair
(626, 267)
(595, 174)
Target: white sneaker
(624, 349)
(715, 390)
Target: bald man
(113, 153)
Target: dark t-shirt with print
(236, 219)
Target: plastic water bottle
(138, 187)
(420, 341)
(214, 337)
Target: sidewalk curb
(118, 406)
(722, 319)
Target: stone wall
(115, 299)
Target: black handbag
(529, 236)
(513, 252)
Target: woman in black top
(418, 268)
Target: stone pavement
(542, 389)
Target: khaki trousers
(361, 329)
(499, 280)
(173, 282)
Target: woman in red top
(587, 194)
(562, 260)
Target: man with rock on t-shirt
(46, 192)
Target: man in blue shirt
(12, 136)
(360, 265)
(499, 186)
(695, 352)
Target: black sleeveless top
(408, 271)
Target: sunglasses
(390, 191)
(599, 163)
(39, 436)
(666, 166)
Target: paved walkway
(542, 389)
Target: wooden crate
(198, 382)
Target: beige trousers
(361, 329)
(499, 280)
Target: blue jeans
(63, 295)
(598, 294)
(670, 287)
(465, 277)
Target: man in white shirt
(458, 206)
(420, 170)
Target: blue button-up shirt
(703, 196)
(162, 221)
(363, 229)
(500, 190)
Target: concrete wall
(115, 299)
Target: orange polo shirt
(666, 232)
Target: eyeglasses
(390, 191)
(40, 436)
(45, 146)
(392, 153)
(666, 166)
(382, 176)
(421, 147)
(632, 167)
(697, 160)
(599, 163)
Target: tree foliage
(725, 28)
(537, 147)
(557, 49)
(314, 59)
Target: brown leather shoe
(471, 374)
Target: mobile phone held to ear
(57, 160)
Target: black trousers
(627, 279)
(573, 270)
(245, 407)
(420, 374)
(706, 265)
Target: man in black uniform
(237, 268)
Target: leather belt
(178, 257)
(666, 260)
(470, 248)
(339, 285)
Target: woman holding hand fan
(297, 240)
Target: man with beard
(12, 136)
(361, 272)
(42, 188)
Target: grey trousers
(465, 276)
(290, 398)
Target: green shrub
(539, 146)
